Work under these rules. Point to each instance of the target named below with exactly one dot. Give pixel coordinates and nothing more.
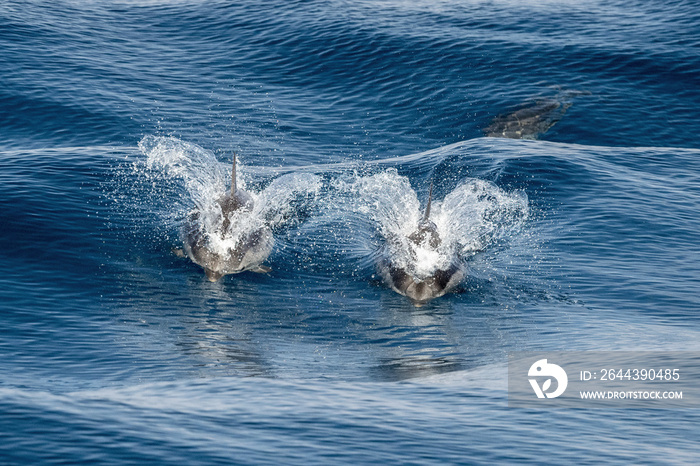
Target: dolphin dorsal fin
(427, 207)
(234, 186)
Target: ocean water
(118, 117)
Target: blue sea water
(114, 350)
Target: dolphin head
(420, 292)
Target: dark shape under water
(532, 119)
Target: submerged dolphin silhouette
(529, 121)
(532, 119)
(249, 252)
(421, 290)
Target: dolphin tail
(427, 208)
(234, 184)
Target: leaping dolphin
(249, 251)
(421, 290)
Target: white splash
(469, 218)
(206, 180)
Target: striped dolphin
(420, 290)
(208, 247)
(533, 118)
